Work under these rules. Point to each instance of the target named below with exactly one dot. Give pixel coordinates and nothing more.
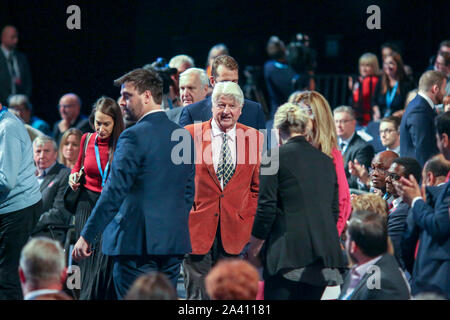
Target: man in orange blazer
(228, 157)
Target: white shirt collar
(430, 102)
(396, 150)
(6, 51)
(362, 269)
(153, 111)
(217, 131)
(397, 201)
(32, 295)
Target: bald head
(380, 164)
(10, 37)
(69, 106)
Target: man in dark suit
(224, 68)
(353, 147)
(144, 206)
(71, 117)
(15, 75)
(417, 132)
(376, 274)
(53, 179)
(396, 221)
(432, 220)
(193, 85)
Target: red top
(92, 175)
(362, 96)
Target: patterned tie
(225, 170)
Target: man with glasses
(224, 68)
(396, 222)
(390, 134)
(69, 109)
(354, 149)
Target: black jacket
(357, 149)
(298, 209)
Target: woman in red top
(363, 89)
(106, 118)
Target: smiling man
(193, 85)
(226, 186)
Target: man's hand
(82, 250)
(408, 189)
(252, 254)
(359, 170)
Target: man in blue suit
(224, 68)
(432, 266)
(417, 132)
(144, 207)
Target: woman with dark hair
(392, 89)
(106, 119)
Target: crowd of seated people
(383, 179)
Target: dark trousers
(280, 288)
(127, 269)
(196, 267)
(15, 230)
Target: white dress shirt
(216, 145)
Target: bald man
(70, 111)
(15, 75)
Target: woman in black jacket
(296, 218)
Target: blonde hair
(290, 118)
(323, 134)
(370, 202)
(371, 60)
(65, 136)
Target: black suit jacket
(298, 208)
(54, 214)
(81, 123)
(396, 225)
(5, 77)
(252, 113)
(417, 131)
(393, 285)
(360, 150)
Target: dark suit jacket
(81, 123)
(396, 225)
(5, 77)
(417, 131)
(393, 285)
(144, 206)
(360, 150)
(298, 208)
(431, 225)
(252, 114)
(54, 214)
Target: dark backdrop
(120, 35)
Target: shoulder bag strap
(86, 142)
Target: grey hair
(200, 72)
(347, 109)
(290, 118)
(18, 100)
(42, 260)
(228, 89)
(178, 60)
(42, 140)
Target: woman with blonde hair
(69, 147)
(323, 136)
(363, 88)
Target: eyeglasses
(342, 121)
(382, 171)
(393, 176)
(388, 131)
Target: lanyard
(390, 96)
(103, 174)
(280, 65)
(4, 109)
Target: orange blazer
(236, 205)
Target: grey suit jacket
(174, 114)
(54, 214)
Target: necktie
(11, 65)
(342, 145)
(225, 169)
